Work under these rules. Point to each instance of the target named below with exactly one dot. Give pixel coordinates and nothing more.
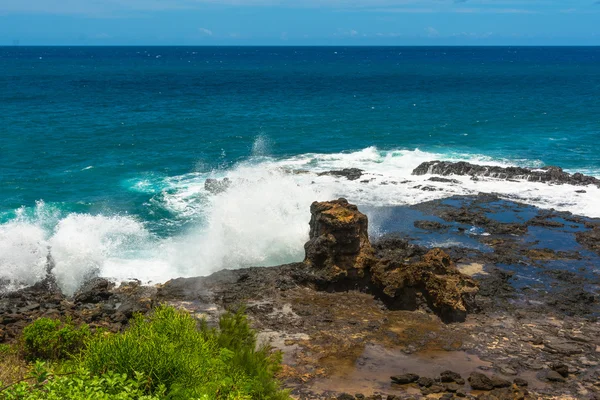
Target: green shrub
(49, 339)
(168, 348)
(43, 385)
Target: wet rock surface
(533, 319)
(546, 174)
(351, 174)
(216, 186)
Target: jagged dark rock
(443, 180)
(547, 174)
(447, 291)
(339, 244)
(521, 382)
(479, 381)
(451, 376)
(561, 368)
(404, 379)
(351, 174)
(94, 291)
(430, 225)
(590, 238)
(216, 186)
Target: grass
(12, 366)
(164, 355)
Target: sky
(300, 22)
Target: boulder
(405, 379)
(451, 376)
(338, 245)
(479, 381)
(94, 291)
(216, 186)
(447, 291)
(339, 255)
(351, 174)
(554, 376)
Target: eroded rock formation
(546, 174)
(339, 250)
(339, 244)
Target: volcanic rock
(450, 376)
(339, 244)
(547, 174)
(216, 186)
(405, 379)
(446, 290)
(561, 368)
(94, 291)
(351, 174)
(480, 381)
(554, 376)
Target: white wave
(261, 219)
(23, 252)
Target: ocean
(104, 151)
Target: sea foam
(260, 220)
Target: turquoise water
(104, 151)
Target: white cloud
(432, 32)
(494, 11)
(205, 32)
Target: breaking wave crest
(259, 218)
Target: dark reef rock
(546, 174)
(94, 291)
(351, 174)
(447, 291)
(479, 381)
(430, 225)
(407, 277)
(339, 244)
(216, 186)
(443, 180)
(450, 376)
(405, 379)
(590, 238)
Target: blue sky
(300, 22)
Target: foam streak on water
(261, 219)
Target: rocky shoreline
(504, 307)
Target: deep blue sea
(104, 151)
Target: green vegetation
(50, 339)
(165, 355)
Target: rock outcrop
(339, 244)
(351, 174)
(546, 174)
(434, 278)
(216, 186)
(339, 251)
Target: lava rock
(405, 379)
(216, 186)
(499, 382)
(339, 244)
(479, 381)
(561, 368)
(94, 291)
(451, 376)
(521, 382)
(425, 382)
(351, 174)
(547, 174)
(554, 376)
